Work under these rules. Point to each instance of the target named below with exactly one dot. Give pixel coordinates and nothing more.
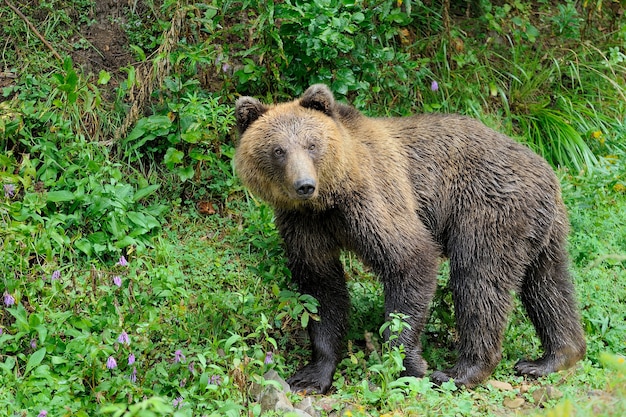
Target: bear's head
(291, 154)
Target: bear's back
(458, 167)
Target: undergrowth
(139, 278)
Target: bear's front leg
(327, 334)
(313, 259)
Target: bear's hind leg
(548, 296)
(482, 302)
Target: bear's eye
(311, 147)
(279, 152)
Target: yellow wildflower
(620, 188)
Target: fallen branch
(33, 29)
(610, 257)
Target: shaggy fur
(402, 193)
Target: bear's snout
(305, 188)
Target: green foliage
(187, 136)
(57, 19)
(350, 46)
(68, 194)
(199, 306)
(388, 369)
(300, 306)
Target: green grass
(209, 288)
(206, 296)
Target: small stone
(306, 405)
(502, 386)
(271, 396)
(272, 375)
(524, 388)
(513, 403)
(543, 394)
(284, 407)
(328, 404)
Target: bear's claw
(463, 375)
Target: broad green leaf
(125, 242)
(103, 77)
(173, 157)
(58, 196)
(138, 218)
(21, 317)
(35, 359)
(185, 173)
(144, 192)
(98, 237)
(84, 246)
(204, 380)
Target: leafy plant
(187, 136)
(116, 298)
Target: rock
(272, 375)
(513, 403)
(306, 405)
(297, 412)
(502, 386)
(327, 404)
(270, 396)
(543, 394)
(256, 389)
(283, 406)
(273, 397)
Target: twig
(34, 29)
(613, 257)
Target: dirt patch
(106, 43)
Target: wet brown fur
(402, 193)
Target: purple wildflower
(42, 413)
(215, 380)
(178, 356)
(1, 331)
(225, 67)
(122, 261)
(8, 299)
(182, 382)
(131, 359)
(434, 86)
(133, 375)
(269, 358)
(33, 343)
(9, 190)
(117, 281)
(123, 338)
(178, 402)
(190, 367)
(111, 363)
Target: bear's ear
(318, 97)
(247, 110)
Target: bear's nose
(305, 188)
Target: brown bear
(402, 193)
